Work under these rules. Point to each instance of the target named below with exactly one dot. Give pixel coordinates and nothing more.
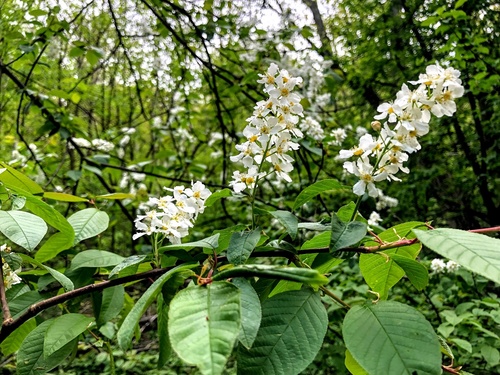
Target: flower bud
(376, 125)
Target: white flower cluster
(270, 131)
(173, 215)
(384, 201)
(313, 129)
(375, 219)
(405, 120)
(10, 276)
(99, 144)
(439, 266)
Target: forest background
(125, 97)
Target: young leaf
(116, 196)
(416, 272)
(63, 330)
(63, 197)
(251, 312)
(476, 252)
(322, 240)
(217, 196)
(241, 246)
(66, 283)
(315, 189)
(301, 275)
(289, 221)
(204, 323)
(88, 223)
(22, 228)
(391, 338)
(291, 332)
(31, 359)
(353, 366)
(126, 331)
(381, 273)
(95, 259)
(345, 234)
(131, 261)
(17, 181)
(207, 243)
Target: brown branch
(9, 326)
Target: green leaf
(459, 3)
(301, 275)
(416, 272)
(391, 338)
(214, 197)
(126, 331)
(111, 304)
(475, 252)
(289, 221)
(463, 344)
(241, 246)
(321, 241)
(63, 330)
(66, 283)
(95, 259)
(207, 243)
(63, 197)
(126, 263)
(251, 312)
(116, 196)
(353, 366)
(88, 223)
(22, 228)
(13, 342)
(291, 333)
(491, 355)
(379, 270)
(315, 189)
(23, 301)
(31, 359)
(345, 234)
(165, 350)
(204, 323)
(17, 181)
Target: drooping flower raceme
(173, 215)
(271, 131)
(404, 121)
(10, 276)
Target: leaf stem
(334, 297)
(358, 202)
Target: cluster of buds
(404, 121)
(440, 266)
(173, 215)
(10, 276)
(270, 131)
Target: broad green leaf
(165, 350)
(391, 338)
(301, 275)
(204, 323)
(63, 197)
(289, 221)
(88, 223)
(321, 241)
(58, 241)
(251, 312)
(475, 252)
(381, 272)
(315, 189)
(415, 271)
(66, 283)
(241, 246)
(22, 302)
(207, 243)
(95, 259)
(214, 197)
(31, 359)
(353, 366)
(463, 344)
(126, 263)
(14, 260)
(324, 262)
(126, 331)
(285, 286)
(116, 196)
(22, 228)
(225, 236)
(111, 304)
(345, 234)
(491, 355)
(13, 342)
(17, 181)
(291, 333)
(63, 330)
